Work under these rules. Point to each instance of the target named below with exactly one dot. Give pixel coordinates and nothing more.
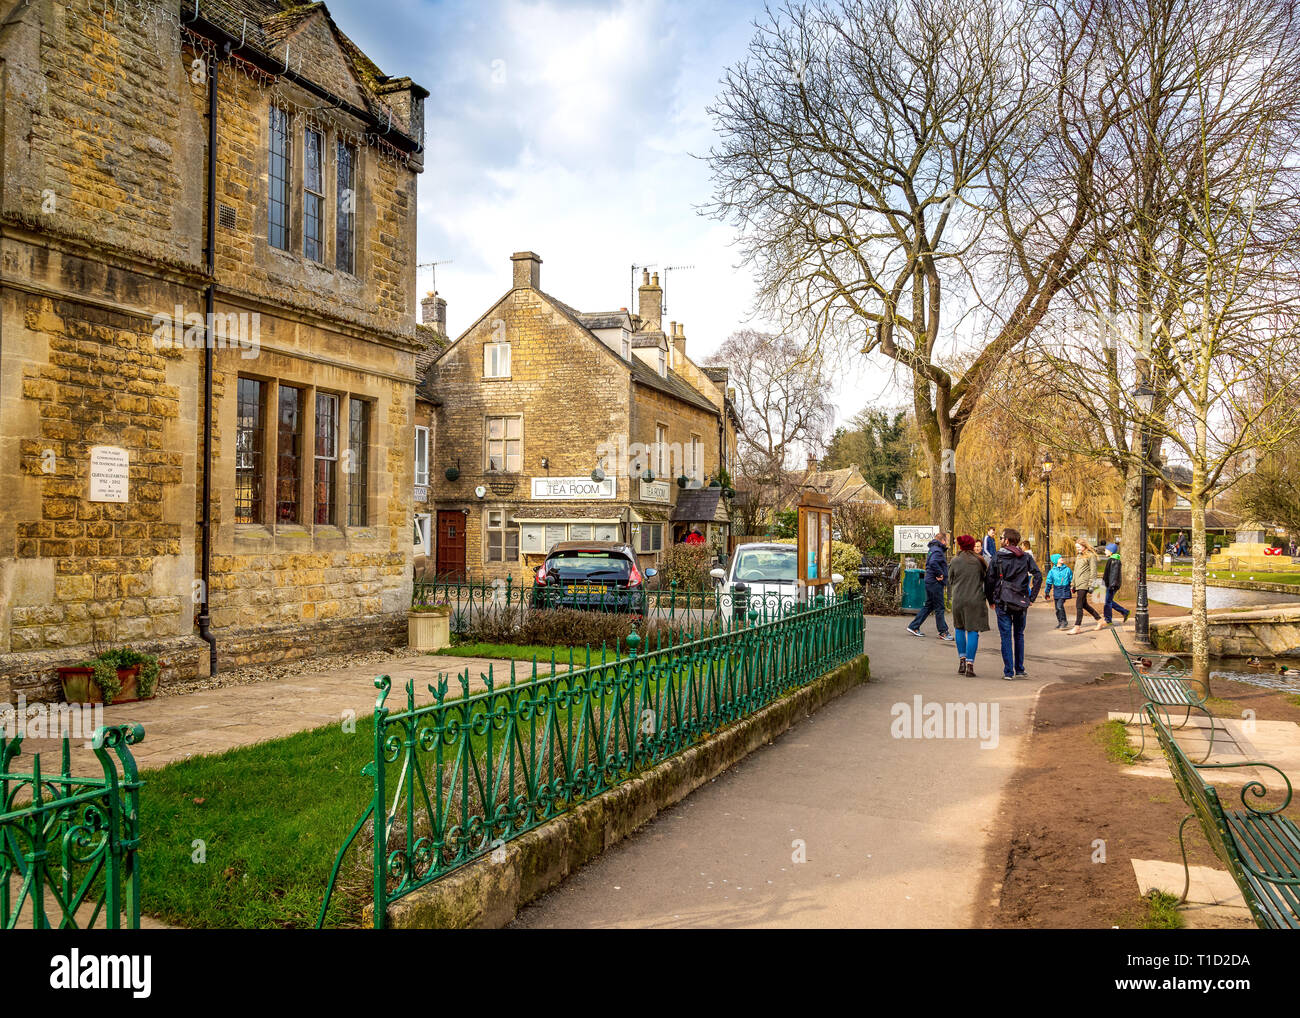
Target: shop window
(502, 537)
(652, 537)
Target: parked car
(591, 575)
(766, 574)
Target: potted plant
(428, 626)
(121, 675)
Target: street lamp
(1144, 397)
(1047, 476)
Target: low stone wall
(34, 674)
(488, 893)
(1256, 632)
(1272, 588)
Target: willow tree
(890, 165)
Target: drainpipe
(209, 300)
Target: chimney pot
(527, 269)
(650, 302)
(812, 463)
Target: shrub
(568, 627)
(845, 559)
(687, 565)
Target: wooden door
(451, 544)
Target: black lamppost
(1047, 476)
(1144, 398)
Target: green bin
(913, 589)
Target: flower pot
(79, 685)
(427, 631)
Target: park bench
(1260, 846)
(1165, 687)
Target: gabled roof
(673, 385)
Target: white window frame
(661, 451)
(627, 345)
(504, 442)
(697, 458)
(504, 527)
(421, 455)
(422, 533)
(496, 360)
(663, 363)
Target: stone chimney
(433, 312)
(812, 463)
(650, 301)
(528, 269)
(677, 336)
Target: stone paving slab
(1235, 741)
(1213, 900)
(217, 720)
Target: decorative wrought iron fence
(469, 773)
(67, 844)
(471, 602)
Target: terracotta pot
(79, 685)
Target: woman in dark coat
(970, 607)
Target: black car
(593, 575)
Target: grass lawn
(519, 652)
(1225, 573)
(271, 817)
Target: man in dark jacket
(1012, 585)
(936, 578)
(990, 546)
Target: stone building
(558, 425)
(142, 267)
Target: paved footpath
(216, 720)
(893, 830)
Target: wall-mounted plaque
(110, 470)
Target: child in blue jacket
(1058, 582)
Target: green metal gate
(68, 845)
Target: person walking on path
(1113, 577)
(1059, 580)
(1085, 576)
(936, 578)
(1011, 586)
(970, 606)
(990, 546)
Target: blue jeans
(968, 642)
(1011, 627)
(1061, 618)
(1112, 605)
(933, 603)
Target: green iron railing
(469, 773)
(67, 844)
(472, 601)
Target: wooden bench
(1260, 846)
(1165, 687)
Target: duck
(1144, 663)
(1283, 669)
(1254, 662)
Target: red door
(451, 544)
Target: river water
(1180, 594)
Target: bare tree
(782, 392)
(1199, 300)
(874, 152)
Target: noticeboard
(813, 540)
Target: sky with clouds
(575, 128)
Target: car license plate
(587, 589)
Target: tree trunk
(943, 496)
(1131, 520)
(1200, 623)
